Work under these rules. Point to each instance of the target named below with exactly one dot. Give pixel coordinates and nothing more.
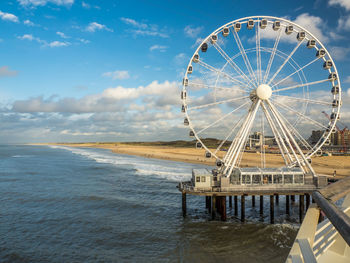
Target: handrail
(338, 218)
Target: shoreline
(322, 165)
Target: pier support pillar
(301, 208)
(261, 205)
(206, 202)
(292, 197)
(230, 201)
(223, 208)
(184, 204)
(242, 208)
(287, 205)
(253, 200)
(307, 201)
(236, 205)
(277, 199)
(213, 207)
(272, 212)
(209, 204)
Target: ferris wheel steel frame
(260, 88)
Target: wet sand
(322, 165)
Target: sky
(75, 71)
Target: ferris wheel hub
(263, 91)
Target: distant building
(256, 139)
(334, 139)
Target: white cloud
(84, 41)
(58, 44)
(156, 94)
(26, 37)
(94, 26)
(44, 43)
(85, 5)
(344, 23)
(143, 29)
(118, 74)
(339, 53)
(133, 22)
(158, 47)
(9, 17)
(28, 23)
(35, 3)
(6, 72)
(342, 3)
(314, 24)
(192, 32)
(347, 80)
(63, 35)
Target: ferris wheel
(260, 84)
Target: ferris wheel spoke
(301, 159)
(243, 138)
(306, 65)
(285, 62)
(295, 131)
(223, 117)
(301, 85)
(232, 63)
(280, 142)
(258, 53)
(219, 72)
(305, 100)
(286, 135)
(285, 107)
(228, 157)
(228, 136)
(234, 88)
(244, 56)
(272, 56)
(217, 103)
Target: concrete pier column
(236, 205)
(206, 202)
(292, 197)
(184, 204)
(230, 201)
(287, 205)
(213, 206)
(301, 208)
(253, 200)
(209, 204)
(272, 212)
(277, 199)
(261, 205)
(218, 204)
(223, 208)
(242, 208)
(307, 200)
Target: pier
(268, 184)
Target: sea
(62, 204)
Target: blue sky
(73, 70)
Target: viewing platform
(243, 182)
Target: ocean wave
(143, 166)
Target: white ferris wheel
(261, 83)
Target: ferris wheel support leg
(278, 137)
(305, 161)
(228, 156)
(237, 140)
(246, 134)
(284, 130)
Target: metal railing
(329, 240)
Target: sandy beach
(322, 165)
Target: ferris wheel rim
(308, 36)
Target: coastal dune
(321, 164)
